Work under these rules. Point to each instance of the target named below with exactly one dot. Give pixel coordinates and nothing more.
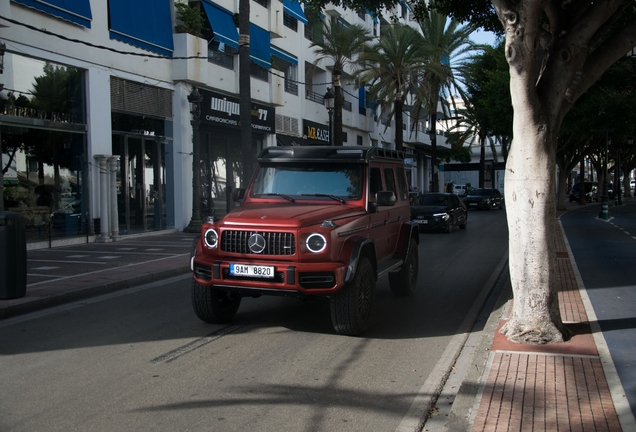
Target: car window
(404, 189)
(375, 182)
(389, 178)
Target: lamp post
(330, 98)
(605, 199)
(630, 143)
(618, 200)
(195, 99)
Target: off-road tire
(213, 305)
(404, 282)
(352, 306)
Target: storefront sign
(222, 110)
(316, 132)
(32, 113)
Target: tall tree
(556, 50)
(389, 67)
(448, 44)
(341, 44)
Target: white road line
(68, 262)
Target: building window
(261, 2)
(221, 54)
(347, 105)
(290, 22)
(291, 84)
(259, 72)
(359, 140)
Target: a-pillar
(114, 210)
(104, 181)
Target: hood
(288, 215)
(428, 209)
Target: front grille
(316, 280)
(203, 272)
(276, 243)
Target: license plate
(252, 270)
(421, 221)
(472, 204)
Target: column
(104, 175)
(114, 210)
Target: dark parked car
(439, 211)
(591, 192)
(486, 199)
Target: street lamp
(330, 99)
(195, 99)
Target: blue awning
(293, 8)
(282, 54)
(222, 24)
(361, 97)
(259, 46)
(146, 24)
(75, 11)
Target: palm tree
(448, 44)
(389, 67)
(341, 44)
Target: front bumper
(293, 279)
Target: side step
(388, 266)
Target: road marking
(198, 343)
(77, 256)
(110, 257)
(45, 268)
(67, 262)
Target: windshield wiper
(333, 197)
(288, 198)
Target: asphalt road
(140, 360)
(605, 254)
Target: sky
(483, 37)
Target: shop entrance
(141, 183)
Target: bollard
(605, 211)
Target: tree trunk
(245, 94)
(482, 160)
(337, 108)
(433, 137)
(399, 133)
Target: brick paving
(552, 387)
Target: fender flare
(357, 247)
(410, 230)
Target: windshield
(432, 200)
(300, 180)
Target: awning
(293, 8)
(260, 46)
(156, 32)
(75, 11)
(282, 54)
(222, 24)
(362, 97)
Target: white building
(95, 106)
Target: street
(139, 359)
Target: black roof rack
(328, 154)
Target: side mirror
(238, 194)
(385, 198)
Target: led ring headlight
(316, 243)
(211, 238)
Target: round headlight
(211, 238)
(316, 243)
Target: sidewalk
(63, 274)
(571, 386)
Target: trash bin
(13, 259)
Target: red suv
(315, 221)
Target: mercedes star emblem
(256, 243)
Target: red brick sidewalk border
(552, 387)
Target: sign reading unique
(225, 111)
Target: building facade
(96, 126)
